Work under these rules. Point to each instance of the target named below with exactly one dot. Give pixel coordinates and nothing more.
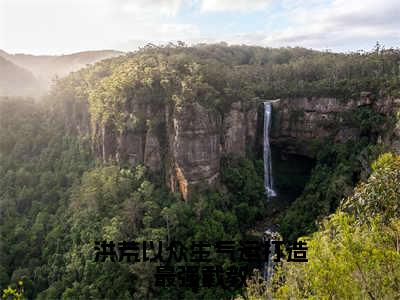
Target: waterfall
(270, 234)
(268, 182)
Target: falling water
(268, 182)
(268, 269)
(269, 235)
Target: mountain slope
(48, 67)
(15, 80)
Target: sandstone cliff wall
(188, 140)
(298, 122)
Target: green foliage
(217, 75)
(114, 204)
(13, 293)
(379, 195)
(337, 170)
(55, 204)
(54, 201)
(38, 165)
(366, 120)
(353, 256)
(243, 178)
(346, 261)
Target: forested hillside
(75, 169)
(355, 253)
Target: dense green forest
(57, 197)
(355, 252)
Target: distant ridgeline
(32, 75)
(16, 81)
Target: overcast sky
(65, 26)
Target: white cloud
(233, 5)
(46, 26)
(341, 25)
(62, 26)
(148, 7)
(49, 26)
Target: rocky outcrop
(152, 151)
(252, 126)
(395, 142)
(299, 121)
(234, 131)
(239, 132)
(390, 106)
(194, 143)
(136, 141)
(187, 140)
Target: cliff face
(298, 122)
(138, 141)
(239, 132)
(187, 141)
(194, 143)
(198, 137)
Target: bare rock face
(194, 144)
(104, 141)
(390, 106)
(347, 134)
(188, 140)
(395, 139)
(299, 121)
(302, 118)
(76, 116)
(252, 121)
(234, 131)
(152, 151)
(240, 128)
(136, 142)
(131, 147)
(198, 138)
(195, 139)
